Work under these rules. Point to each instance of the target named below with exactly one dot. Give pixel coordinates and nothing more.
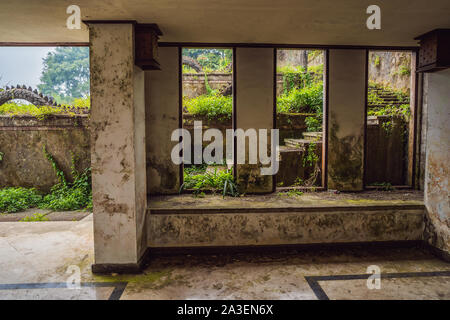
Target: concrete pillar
(162, 118)
(437, 170)
(117, 148)
(346, 118)
(254, 108)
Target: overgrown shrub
(18, 108)
(13, 108)
(314, 123)
(304, 100)
(18, 199)
(212, 106)
(81, 103)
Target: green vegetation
(311, 156)
(291, 193)
(211, 60)
(200, 180)
(386, 186)
(312, 54)
(35, 217)
(69, 195)
(314, 123)
(403, 70)
(296, 77)
(303, 92)
(18, 199)
(374, 99)
(63, 196)
(65, 75)
(302, 100)
(377, 106)
(376, 60)
(18, 108)
(391, 110)
(212, 106)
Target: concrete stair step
(296, 143)
(300, 143)
(312, 135)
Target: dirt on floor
(289, 199)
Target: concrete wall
(346, 104)
(117, 146)
(22, 139)
(330, 225)
(437, 169)
(162, 117)
(254, 107)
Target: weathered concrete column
(346, 112)
(117, 148)
(437, 170)
(162, 118)
(254, 108)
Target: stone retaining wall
(22, 139)
(194, 84)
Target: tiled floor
(36, 256)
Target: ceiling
(321, 22)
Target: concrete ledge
(283, 226)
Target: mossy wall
(162, 118)
(254, 108)
(346, 103)
(22, 139)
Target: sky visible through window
(21, 65)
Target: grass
(35, 217)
